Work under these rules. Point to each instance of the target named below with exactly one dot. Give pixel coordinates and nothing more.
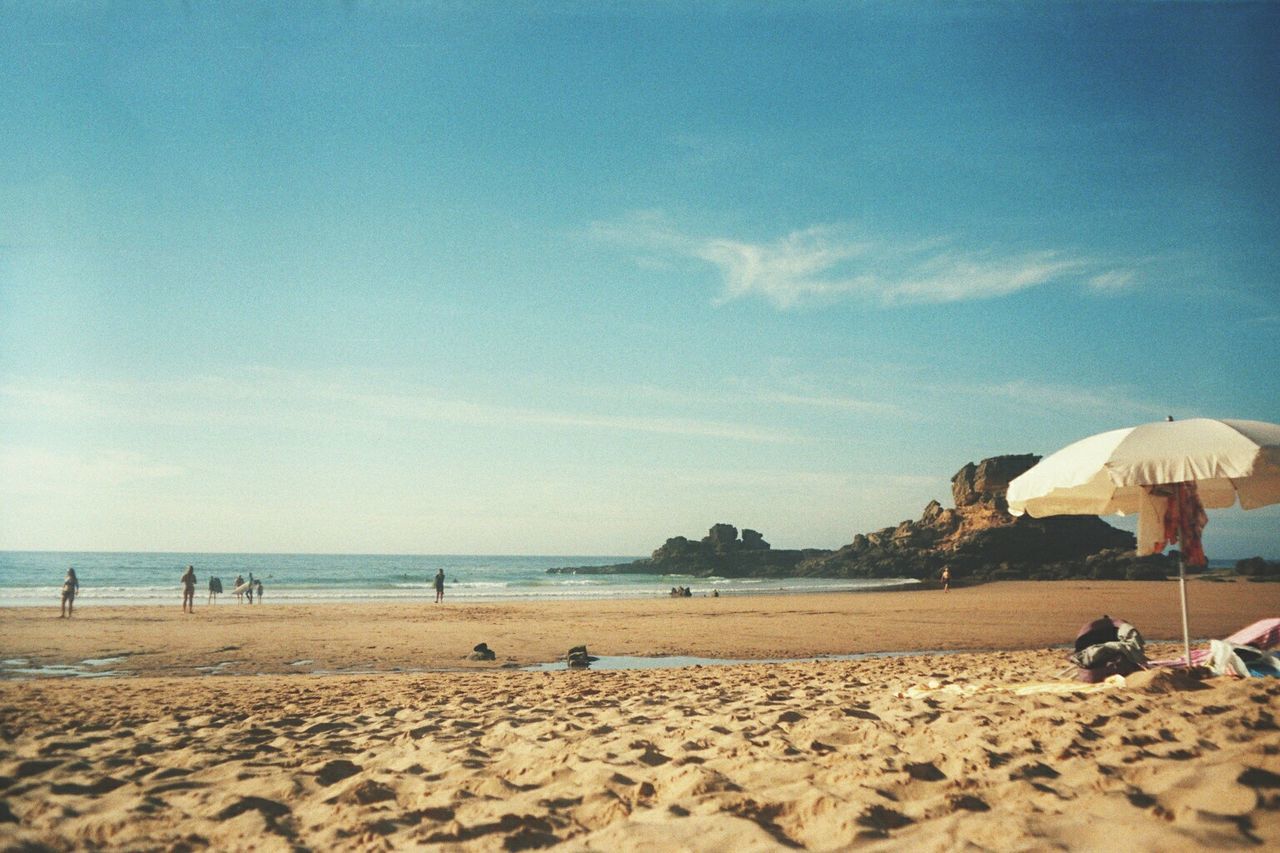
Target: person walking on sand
(70, 586)
(189, 590)
(439, 586)
(237, 588)
(946, 579)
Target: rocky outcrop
(1256, 568)
(978, 538)
(579, 658)
(988, 481)
(482, 652)
(721, 553)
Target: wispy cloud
(782, 392)
(33, 471)
(836, 402)
(1112, 280)
(1113, 400)
(283, 399)
(825, 263)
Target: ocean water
(34, 578)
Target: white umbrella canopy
(1111, 472)
(1116, 471)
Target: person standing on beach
(439, 586)
(258, 587)
(189, 590)
(70, 586)
(946, 579)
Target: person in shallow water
(439, 586)
(70, 586)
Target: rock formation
(720, 553)
(482, 652)
(977, 538)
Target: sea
(34, 578)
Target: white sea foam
(152, 579)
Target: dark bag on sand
(1106, 647)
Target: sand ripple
(929, 753)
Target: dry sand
(990, 750)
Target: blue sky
(576, 277)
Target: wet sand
(992, 749)
(265, 639)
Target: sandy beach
(991, 748)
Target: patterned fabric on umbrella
(1184, 523)
(1173, 515)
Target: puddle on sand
(217, 668)
(100, 661)
(89, 668)
(678, 661)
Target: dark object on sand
(578, 658)
(1106, 647)
(482, 652)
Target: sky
(572, 278)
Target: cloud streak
(827, 263)
(269, 398)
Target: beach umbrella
(1167, 472)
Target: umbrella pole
(1186, 631)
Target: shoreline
(421, 636)
(287, 597)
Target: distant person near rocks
(946, 579)
(189, 590)
(70, 587)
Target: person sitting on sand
(439, 586)
(189, 590)
(70, 586)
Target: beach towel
(1231, 659)
(1263, 634)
